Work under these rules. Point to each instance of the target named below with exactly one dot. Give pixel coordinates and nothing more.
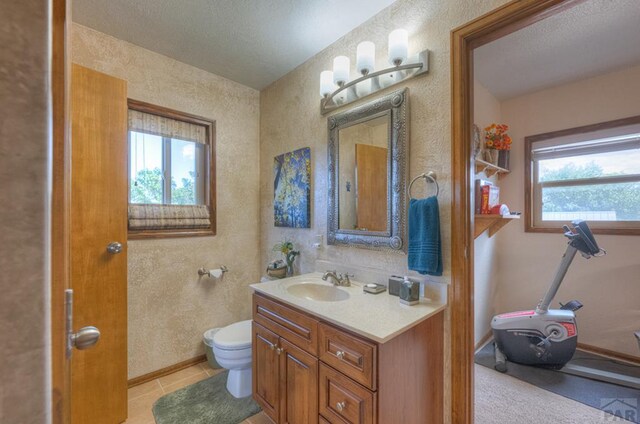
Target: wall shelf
(493, 223)
(489, 168)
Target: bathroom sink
(319, 292)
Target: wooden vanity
(307, 370)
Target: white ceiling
(253, 42)
(592, 38)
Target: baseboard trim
(483, 340)
(610, 353)
(136, 381)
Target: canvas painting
(292, 189)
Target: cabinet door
(266, 382)
(299, 385)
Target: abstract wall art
(292, 189)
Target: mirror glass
(363, 184)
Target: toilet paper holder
(208, 272)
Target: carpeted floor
(502, 399)
(590, 392)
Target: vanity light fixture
(341, 67)
(337, 90)
(398, 46)
(365, 57)
(327, 86)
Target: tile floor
(142, 397)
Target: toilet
(232, 350)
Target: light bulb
(341, 65)
(398, 46)
(326, 83)
(365, 57)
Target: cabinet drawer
(352, 356)
(298, 328)
(343, 401)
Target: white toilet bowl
(232, 349)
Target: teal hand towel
(425, 249)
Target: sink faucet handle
(346, 276)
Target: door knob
(85, 338)
(114, 247)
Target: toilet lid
(234, 336)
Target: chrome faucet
(338, 279)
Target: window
(171, 173)
(590, 173)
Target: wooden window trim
(599, 227)
(210, 126)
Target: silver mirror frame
(395, 238)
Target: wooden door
(371, 174)
(299, 385)
(98, 218)
(266, 386)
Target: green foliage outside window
(623, 198)
(146, 188)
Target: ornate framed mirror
(368, 163)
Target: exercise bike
(546, 337)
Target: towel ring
(428, 176)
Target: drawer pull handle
(340, 354)
(340, 406)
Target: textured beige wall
(607, 286)
(169, 307)
(486, 110)
(24, 216)
(290, 119)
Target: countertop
(378, 317)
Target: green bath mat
(205, 402)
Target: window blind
(166, 127)
(603, 145)
(168, 217)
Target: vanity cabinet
(308, 371)
(285, 375)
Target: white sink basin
(318, 292)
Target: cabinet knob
(340, 406)
(272, 346)
(340, 354)
(279, 350)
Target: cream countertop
(379, 317)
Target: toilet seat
(236, 336)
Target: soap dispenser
(409, 292)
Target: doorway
(498, 23)
(464, 285)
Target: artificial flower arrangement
(496, 137)
(278, 268)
